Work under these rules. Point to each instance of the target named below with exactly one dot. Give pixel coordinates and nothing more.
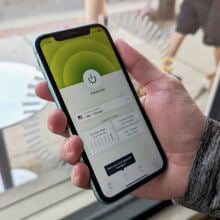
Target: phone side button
(51, 91)
(54, 96)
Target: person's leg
(105, 12)
(211, 76)
(208, 80)
(91, 10)
(175, 42)
(210, 21)
(217, 55)
(94, 8)
(187, 23)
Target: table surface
(17, 93)
(17, 102)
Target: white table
(16, 80)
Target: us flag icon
(79, 117)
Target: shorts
(195, 14)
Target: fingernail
(67, 148)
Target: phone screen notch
(64, 35)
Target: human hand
(177, 122)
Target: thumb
(138, 66)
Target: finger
(80, 175)
(71, 149)
(138, 66)
(57, 122)
(41, 90)
(143, 100)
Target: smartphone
(89, 82)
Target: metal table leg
(5, 164)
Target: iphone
(89, 82)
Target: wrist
(203, 185)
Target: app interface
(116, 139)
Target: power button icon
(92, 78)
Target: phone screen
(119, 145)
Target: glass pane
(185, 48)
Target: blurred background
(32, 173)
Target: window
(42, 180)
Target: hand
(177, 121)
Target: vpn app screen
(118, 144)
